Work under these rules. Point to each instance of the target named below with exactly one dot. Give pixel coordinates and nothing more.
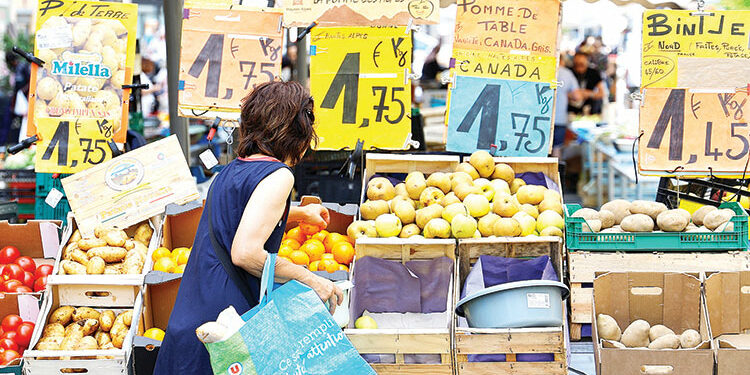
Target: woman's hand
(316, 214)
(327, 291)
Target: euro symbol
(376, 54)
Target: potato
(107, 346)
(133, 264)
(586, 213)
(658, 331)
(118, 335)
(95, 266)
(591, 225)
(126, 317)
(614, 229)
(53, 330)
(672, 221)
(607, 327)
(652, 209)
(47, 88)
(129, 244)
(726, 227)
(668, 341)
(618, 207)
(636, 335)
(108, 253)
(89, 326)
(691, 226)
(684, 213)
(106, 319)
(74, 329)
(700, 229)
(68, 250)
(79, 256)
(102, 338)
(84, 313)
(701, 213)
(70, 342)
(714, 219)
(618, 344)
(140, 248)
(143, 233)
(75, 236)
(607, 218)
(87, 343)
(113, 269)
(101, 230)
(62, 315)
(637, 223)
(115, 237)
(690, 339)
(90, 243)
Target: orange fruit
(296, 234)
(160, 253)
(154, 334)
(333, 239)
(343, 268)
(321, 236)
(182, 259)
(179, 269)
(329, 265)
(299, 257)
(343, 252)
(328, 256)
(309, 229)
(165, 264)
(314, 265)
(285, 250)
(314, 249)
(294, 244)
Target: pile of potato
(84, 328)
(110, 252)
(640, 334)
(621, 216)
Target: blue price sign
(514, 116)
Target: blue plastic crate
(45, 183)
(45, 212)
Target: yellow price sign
(358, 78)
(530, 68)
(70, 145)
(682, 49)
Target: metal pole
(173, 30)
(302, 64)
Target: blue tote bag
(289, 332)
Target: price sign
(225, 53)
(694, 132)
(531, 68)
(524, 26)
(329, 13)
(359, 83)
(515, 116)
(88, 49)
(72, 145)
(685, 50)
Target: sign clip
(410, 142)
(136, 86)
(408, 75)
(411, 26)
(350, 165)
(115, 150)
(212, 130)
(449, 80)
(26, 143)
(305, 31)
(28, 56)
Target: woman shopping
(244, 219)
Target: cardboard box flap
(734, 341)
(176, 209)
(728, 302)
(35, 238)
(181, 225)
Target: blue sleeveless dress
(206, 289)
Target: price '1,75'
(70, 145)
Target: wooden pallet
(509, 341)
(583, 266)
(400, 342)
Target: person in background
(288, 61)
(431, 69)
(591, 84)
(567, 91)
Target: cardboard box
(27, 307)
(181, 224)
(728, 303)
(39, 239)
(672, 299)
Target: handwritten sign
(358, 78)
(329, 13)
(515, 116)
(88, 49)
(696, 132)
(56, 152)
(225, 53)
(131, 187)
(519, 26)
(674, 42)
(530, 68)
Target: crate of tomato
(27, 255)
(18, 313)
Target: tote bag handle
(266, 280)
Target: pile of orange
(316, 248)
(170, 261)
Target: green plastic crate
(45, 212)
(45, 183)
(577, 240)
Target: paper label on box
(54, 37)
(50, 239)
(208, 158)
(537, 300)
(53, 198)
(28, 307)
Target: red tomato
(9, 286)
(8, 344)
(9, 254)
(11, 322)
(12, 272)
(9, 335)
(8, 356)
(43, 270)
(28, 279)
(22, 289)
(24, 332)
(40, 284)
(26, 263)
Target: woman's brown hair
(277, 120)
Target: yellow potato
(79, 256)
(95, 266)
(68, 249)
(108, 253)
(115, 237)
(113, 269)
(89, 326)
(75, 236)
(70, 342)
(46, 344)
(90, 243)
(102, 338)
(70, 267)
(62, 315)
(74, 330)
(124, 318)
(143, 233)
(106, 319)
(133, 264)
(47, 88)
(84, 313)
(53, 330)
(129, 244)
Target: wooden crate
(508, 341)
(583, 267)
(407, 341)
